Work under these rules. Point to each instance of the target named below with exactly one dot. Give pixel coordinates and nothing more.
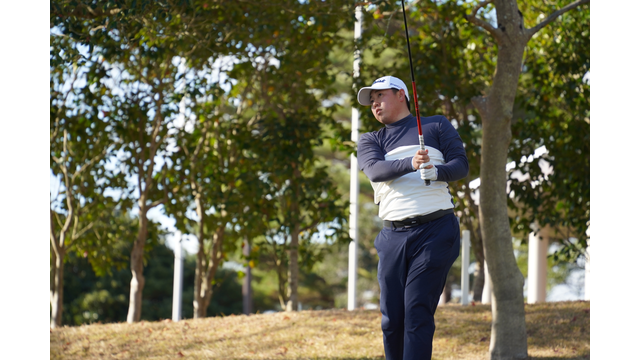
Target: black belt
(406, 223)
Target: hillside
(558, 330)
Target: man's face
(386, 106)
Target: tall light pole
(354, 189)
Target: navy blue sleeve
(372, 162)
(456, 165)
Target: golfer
(421, 235)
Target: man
(421, 235)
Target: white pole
(587, 273)
(488, 287)
(355, 185)
(466, 253)
(177, 281)
(537, 269)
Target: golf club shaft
(413, 85)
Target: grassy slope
(557, 330)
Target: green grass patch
(558, 330)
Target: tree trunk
(199, 309)
(247, 296)
(476, 244)
(137, 266)
(292, 304)
(292, 291)
(478, 281)
(478, 275)
(201, 264)
(56, 288)
(508, 331)
(207, 273)
(215, 258)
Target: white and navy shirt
(385, 157)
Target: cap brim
(364, 96)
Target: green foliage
(90, 298)
(246, 141)
(261, 144)
(554, 111)
(108, 246)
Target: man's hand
(420, 160)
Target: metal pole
(177, 281)
(466, 254)
(355, 185)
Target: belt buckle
(410, 224)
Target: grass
(558, 330)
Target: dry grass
(556, 331)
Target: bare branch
(57, 218)
(52, 235)
(553, 16)
(86, 12)
(62, 106)
(78, 234)
(483, 24)
(480, 103)
(480, 6)
(90, 163)
(156, 203)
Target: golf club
(413, 84)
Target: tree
(138, 112)
(139, 42)
(217, 177)
(97, 276)
(553, 110)
(283, 82)
(508, 332)
(305, 207)
(79, 148)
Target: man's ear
(402, 95)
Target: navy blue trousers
(412, 271)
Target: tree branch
(52, 235)
(480, 103)
(78, 234)
(483, 24)
(86, 12)
(553, 16)
(156, 203)
(90, 163)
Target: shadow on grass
(577, 357)
(315, 358)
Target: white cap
(386, 82)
